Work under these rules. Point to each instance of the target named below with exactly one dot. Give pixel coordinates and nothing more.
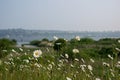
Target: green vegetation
(84, 59)
(5, 45)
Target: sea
(25, 36)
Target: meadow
(75, 59)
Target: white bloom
(97, 79)
(83, 67)
(117, 49)
(90, 67)
(77, 38)
(66, 55)
(92, 60)
(75, 51)
(58, 43)
(110, 57)
(20, 49)
(67, 78)
(4, 50)
(13, 51)
(26, 60)
(76, 59)
(118, 41)
(106, 64)
(82, 60)
(37, 53)
(55, 37)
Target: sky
(70, 15)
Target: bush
(59, 44)
(5, 45)
(87, 40)
(35, 42)
(104, 51)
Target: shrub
(59, 44)
(104, 51)
(5, 45)
(87, 40)
(35, 42)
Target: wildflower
(55, 37)
(4, 50)
(66, 55)
(106, 64)
(75, 51)
(13, 51)
(67, 78)
(117, 49)
(37, 53)
(37, 65)
(76, 59)
(83, 67)
(26, 60)
(20, 49)
(58, 43)
(118, 64)
(72, 65)
(110, 57)
(77, 38)
(90, 67)
(97, 79)
(118, 41)
(92, 60)
(82, 60)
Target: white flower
(55, 37)
(90, 67)
(110, 57)
(82, 60)
(66, 55)
(117, 49)
(13, 51)
(76, 59)
(97, 79)
(20, 49)
(37, 53)
(75, 51)
(118, 41)
(92, 60)
(83, 67)
(26, 60)
(106, 64)
(67, 78)
(77, 38)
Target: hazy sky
(78, 15)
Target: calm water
(25, 36)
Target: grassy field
(76, 61)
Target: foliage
(104, 51)
(87, 40)
(35, 42)
(59, 44)
(5, 45)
